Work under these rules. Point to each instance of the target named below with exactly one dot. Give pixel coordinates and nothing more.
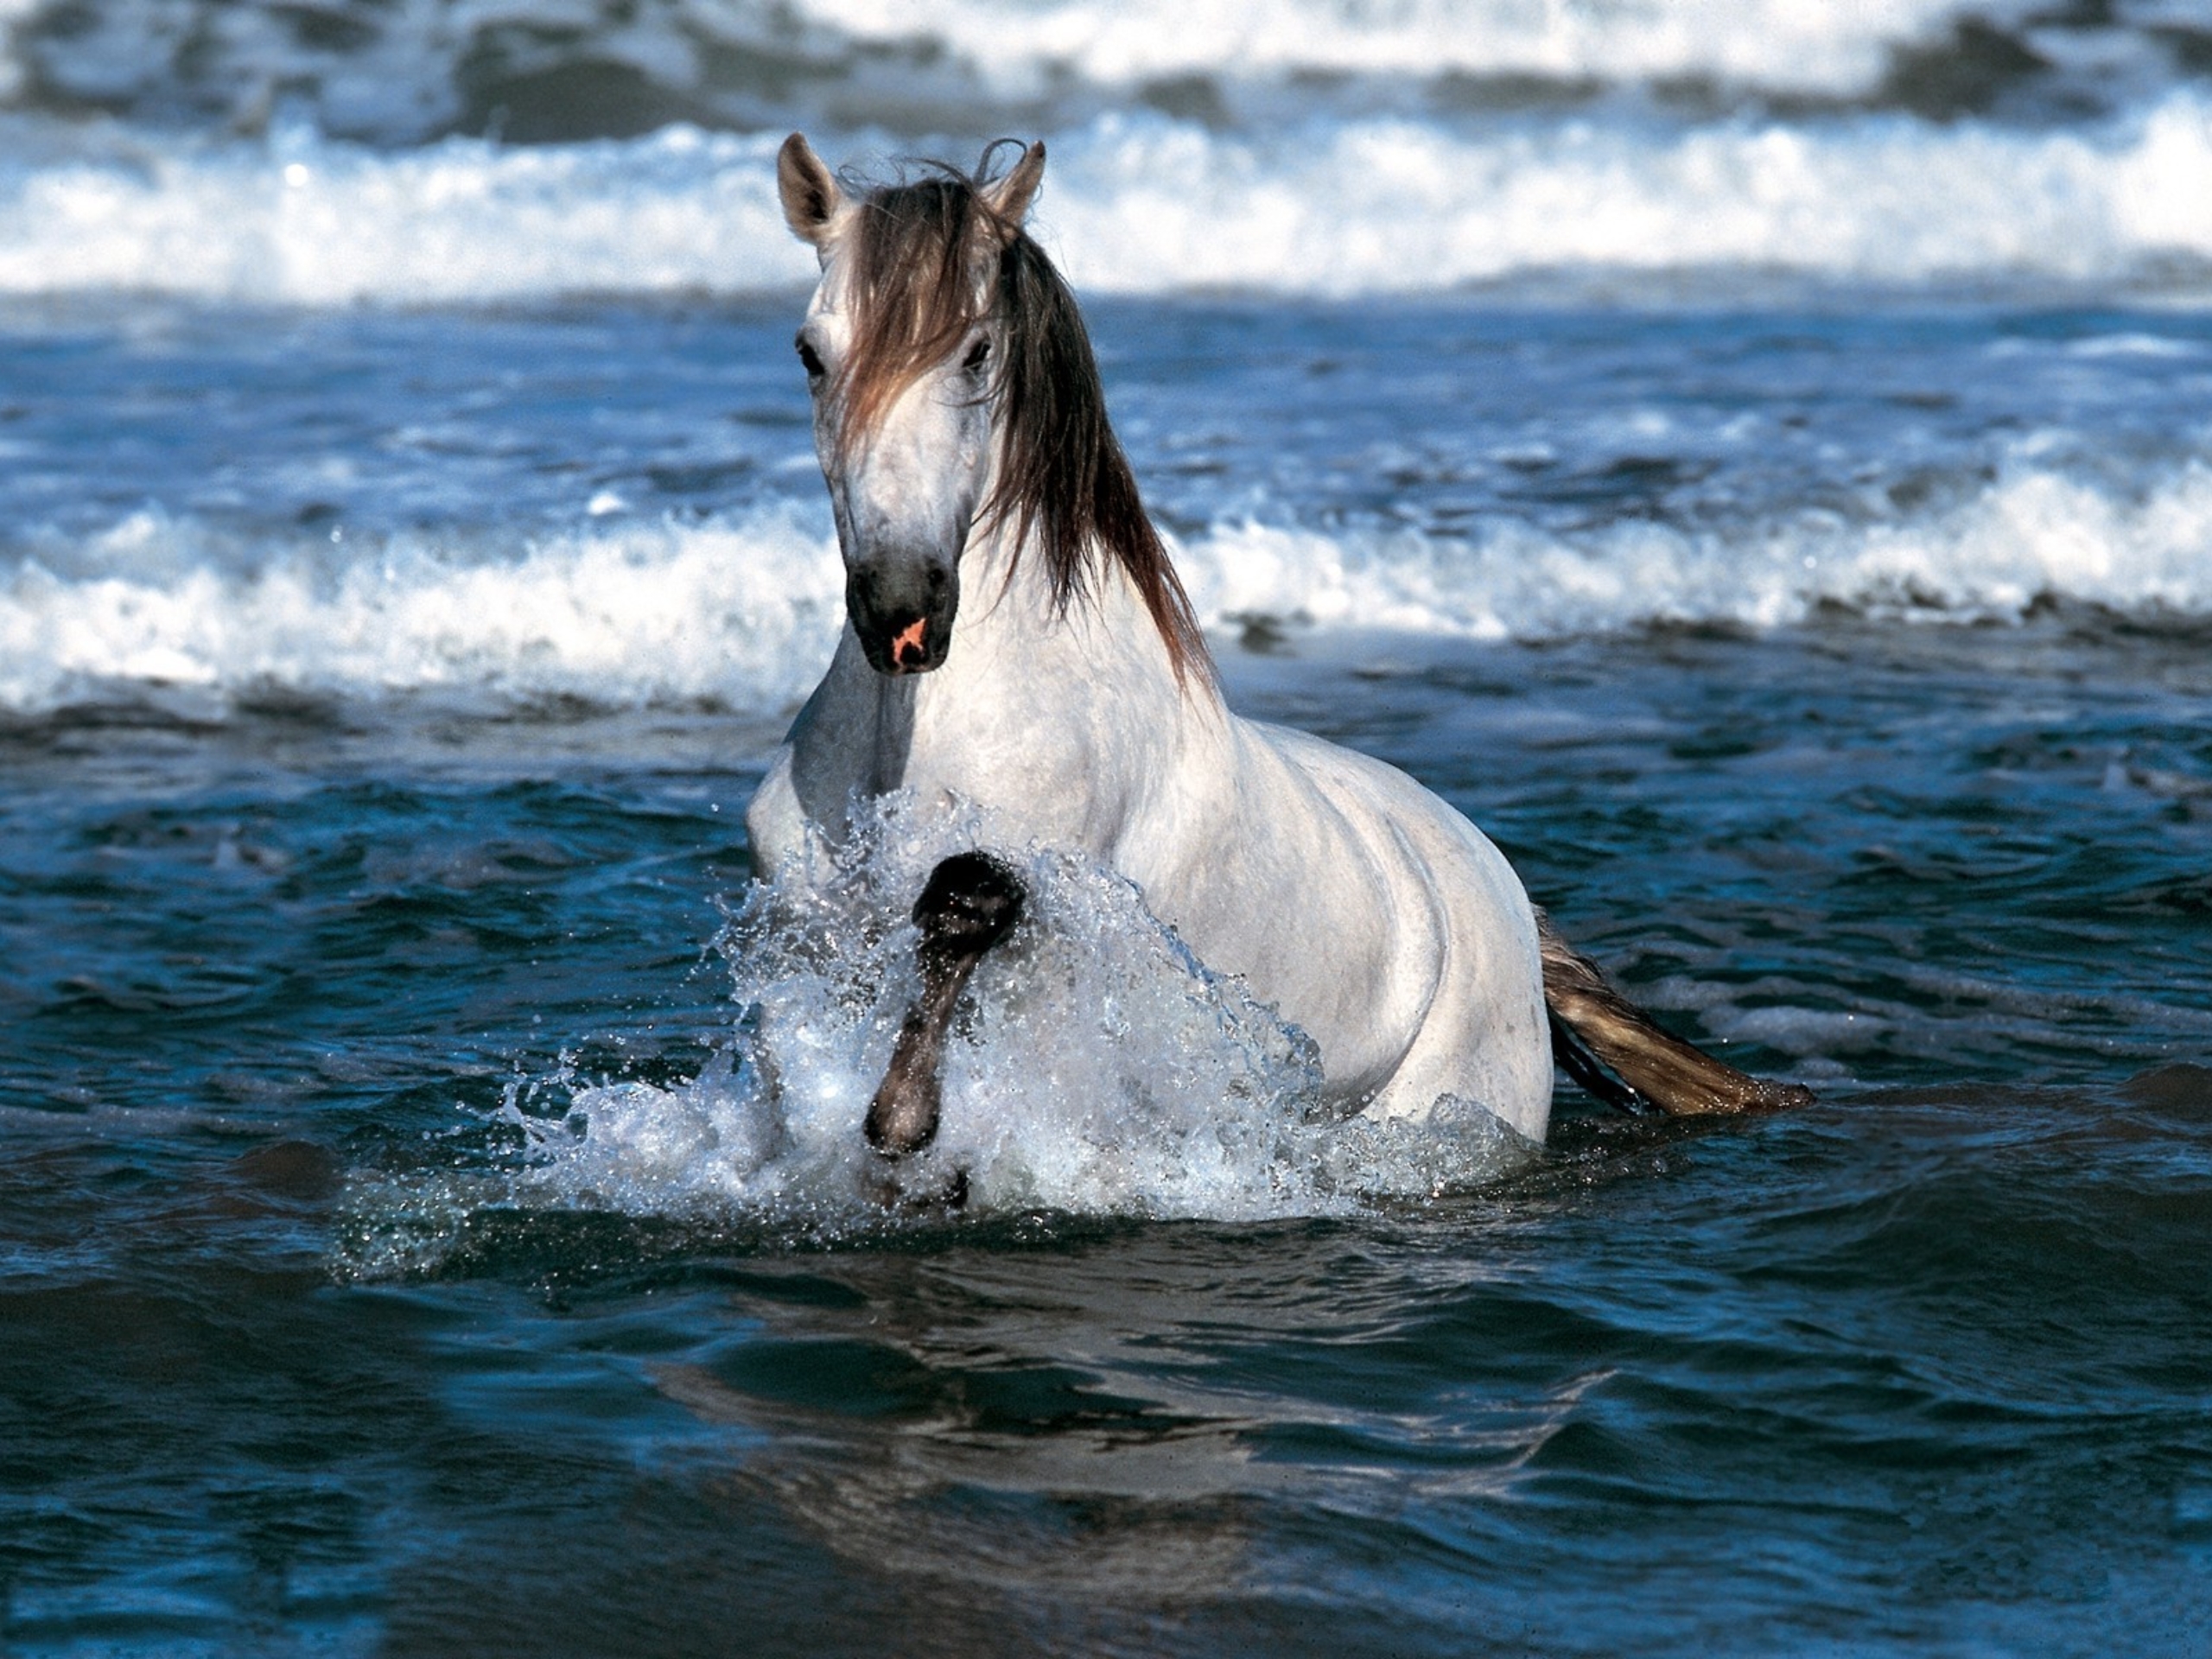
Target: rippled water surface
(1921, 1368)
(1755, 461)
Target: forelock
(920, 274)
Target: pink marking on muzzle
(909, 638)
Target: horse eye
(977, 355)
(810, 359)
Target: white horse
(1069, 696)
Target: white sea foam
(1381, 206)
(1102, 1071)
(1021, 44)
(2031, 534)
(297, 220)
(743, 613)
(406, 70)
(632, 613)
(1142, 205)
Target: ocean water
(1756, 461)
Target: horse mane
(1063, 485)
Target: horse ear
(811, 195)
(1008, 197)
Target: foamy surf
(1018, 48)
(1142, 204)
(416, 70)
(741, 613)
(1099, 1070)
(2028, 537)
(403, 72)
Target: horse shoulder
(1465, 934)
(775, 822)
(1490, 927)
(1384, 800)
(833, 753)
(1372, 832)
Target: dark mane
(1063, 486)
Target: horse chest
(1042, 770)
(1042, 766)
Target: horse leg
(970, 902)
(1654, 1066)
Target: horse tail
(1597, 1031)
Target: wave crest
(1143, 204)
(742, 614)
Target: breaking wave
(1142, 204)
(741, 613)
(408, 70)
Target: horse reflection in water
(1088, 1423)
(1019, 652)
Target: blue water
(1770, 492)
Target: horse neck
(1101, 646)
(1061, 719)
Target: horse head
(901, 347)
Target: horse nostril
(938, 575)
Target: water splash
(1097, 1068)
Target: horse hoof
(950, 1199)
(903, 1116)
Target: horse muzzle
(902, 613)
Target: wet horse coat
(1017, 646)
